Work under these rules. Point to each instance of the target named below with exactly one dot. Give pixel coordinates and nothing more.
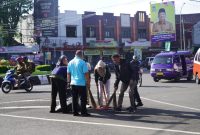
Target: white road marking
(152, 100)
(161, 102)
(24, 107)
(22, 101)
(101, 124)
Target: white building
(69, 30)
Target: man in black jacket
(123, 73)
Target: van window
(198, 57)
(195, 58)
(162, 60)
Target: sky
(125, 6)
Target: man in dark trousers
(135, 67)
(78, 77)
(123, 73)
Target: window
(162, 60)
(109, 33)
(90, 31)
(71, 31)
(195, 58)
(198, 57)
(142, 33)
(126, 32)
(141, 17)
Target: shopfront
(99, 49)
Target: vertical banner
(46, 18)
(138, 53)
(163, 19)
(167, 46)
(48, 55)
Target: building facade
(106, 34)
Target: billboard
(196, 34)
(163, 19)
(46, 18)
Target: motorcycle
(12, 81)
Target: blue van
(172, 66)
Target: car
(196, 67)
(148, 61)
(172, 65)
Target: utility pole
(181, 25)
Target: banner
(163, 19)
(20, 49)
(109, 52)
(103, 43)
(48, 55)
(138, 44)
(138, 53)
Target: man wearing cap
(78, 77)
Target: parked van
(172, 65)
(196, 67)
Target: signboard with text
(20, 49)
(103, 43)
(92, 52)
(163, 19)
(46, 18)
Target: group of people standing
(78, 78)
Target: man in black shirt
(123, 73)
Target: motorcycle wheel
(28, 86)
(6, 87)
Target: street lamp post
(183, 34)
(181, 25)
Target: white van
(148, 61)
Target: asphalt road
(170, 108)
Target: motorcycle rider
(20, 69)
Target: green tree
(10, 13)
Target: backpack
(33, 67)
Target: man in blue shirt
(78, 76)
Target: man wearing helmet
(20, 69)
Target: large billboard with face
(46, 18)
(163, 22)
